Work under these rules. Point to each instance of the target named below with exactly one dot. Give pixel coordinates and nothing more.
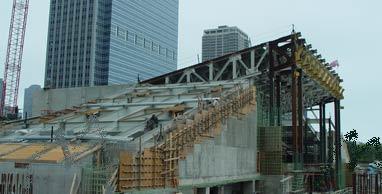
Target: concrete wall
(47, 178)
(228, 158)
(60, 99)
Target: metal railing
(367, 183)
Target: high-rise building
(223, 40)
(101, 42)
(28, 98)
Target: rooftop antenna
(198, 58)
(293, 31)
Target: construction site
(235, 124)
(265, 119)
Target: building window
(155, 47)
(147, 44)
(162, 51)
(173, 56)
(114, 30)
(138, 40)
(121, 33)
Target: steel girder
(260, 63)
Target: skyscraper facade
(28, 98)
(101, 42)
(223, 40)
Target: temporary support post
(296, 107)
(337, 120)
(294, 119)
(323, 133)
(330, 149)
(330, 143)
(271, 88)
(301, 128)
(278, 99)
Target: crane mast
(12, 66)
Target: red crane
(13, 58)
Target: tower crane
(12, 66)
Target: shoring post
(323, 157)
(294, 108)
(271, 87)
(330, 153)
(278, 99)
(337, 119)
(330, 142)
(300, 115)
(294, 118)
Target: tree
(362, 152)
(351, 136)
(374, 142)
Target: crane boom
(12, 66)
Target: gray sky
(346, 30)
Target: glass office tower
(101, 42)
(223, 40)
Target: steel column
(296, 135)
(330, 143)
(278, 99)
(324, 144)
(271, 88)
(321, 134)
(323, 157)
(301, 129)
(337, 119)
(294, 118)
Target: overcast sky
(347, 30)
